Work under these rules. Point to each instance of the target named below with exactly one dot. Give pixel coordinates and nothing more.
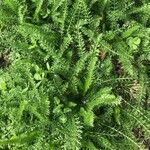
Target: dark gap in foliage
(121, 23)
(138, 3)
(4, 60)
(146, 103)
(100, 111)
(118, 69)
(136, 17)
(140, 136)
(139, 133)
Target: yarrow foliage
(74, 75)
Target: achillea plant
(74, 74)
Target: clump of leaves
(78, 76)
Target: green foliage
(101, 98)
(74, 74)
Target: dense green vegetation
(74, 74)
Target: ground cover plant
(74, 74)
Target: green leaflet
(37, 76)
(117, 114)
(134, 42)
(21, 108)
(88, 117)
(3, 85)
(89, 77)
(130, 31)
(90, 145)
(38, 4)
